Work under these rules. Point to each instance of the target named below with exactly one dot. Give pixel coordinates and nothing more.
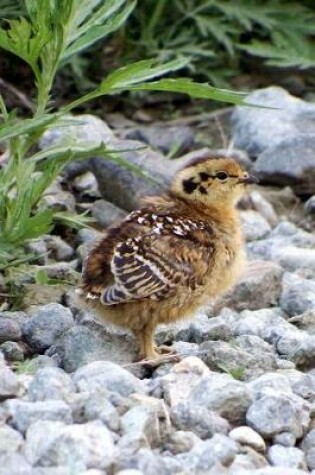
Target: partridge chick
(165, 260)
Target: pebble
(286, 457)
(246, 436)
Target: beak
(248, 180)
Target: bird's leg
(164, 350)
(147, 347)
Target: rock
(293, 258)
(78, 446)
(106, 213)
(12, 351)
(247, 461)
(246, 436)
(305, 321)
(180, 381)
(13, 463)
(9, 330)
(287, 439)
(142, 422)
(254, 225)
(276, 471)
(252, 343)
(222, 394)
(286, 457)
(298, 294)
(58, 248)
(125, 188)
(236, 361)
(50, 383)
(99, 407)
(264, 207)
(59, 270)
(144, 462)
(294, 166)
(305, 387)
(181, 441)
(9, 382)
(58, 199)
(164, 138)
(24, 413)
(303, 353)
(276, 412)
(39, 294)
(46, 325)
(288, 117)
(10, 440)
(203, 456)
(259, 287)
(106, 375)
(86, 185)
(308, 446)
(18, 317)
(200, 421)
(267, 381)
(310, 205)
(81, 345)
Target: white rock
(246, 436)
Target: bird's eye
(222, 175)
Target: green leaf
(26, 126)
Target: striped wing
(142, 270)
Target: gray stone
(285, 115)
(293, 258)
(9, 382)
(310, 205)
(286, 457)
(86, 185)
(58, 248)
(9, 330)
(247, 461)
(58, 199)
(10, 440)
(287, 439)
(24, 413)
(298, 295)
(275, 412)
(264, 207)
(13, 463)
(308, 446)
(253, 343)
(46, 325)
(275, 381)
(181, 441)
(254, 225)
(79, 446)
(304, 354)
(177, 385)
(246, 436)
(277, 471)
(202, 422)
(99, 407)
(219, 449)
(106, 213)
(294, 166)
(107, 375)
(305, 387)
(164, 138)
(59, 270)
(81, 345)
(142, 422)
(238, 362)
(305, 321)
(12, 351)
(221, 393)
(51, 383)
(259, 287)
(18, 317)
(144, 462)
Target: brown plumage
(165, 260)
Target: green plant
(52, 33)
(213, 34)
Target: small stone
(12, 351)
(305, 321)
(221, 393)
(293, 258)
(13, 463)
(141, 421)
(305, 387)
(254, 225)
(286, 457)
(264, 207)
(9, 382)
(263, 383)
(97, 406)
(181, 441)
(247, 461)
(308, 446)
(202, 422)
(276, 412)
(82, 344)
(287, 439)
(106, 375)
(259, 287)
(106, 213)
(246, 436)
(46, 325)
(51, 383)
(10, 440)
(9, 330)
(144, 462)
(309, 205)
(298, 295)
(58, 248)
(79, 446)
(24, 413)
(86, 184)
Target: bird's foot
(159, 355)
(164, 350)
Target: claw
(91, 296)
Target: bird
(171, 256)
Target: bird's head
(212, 182)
